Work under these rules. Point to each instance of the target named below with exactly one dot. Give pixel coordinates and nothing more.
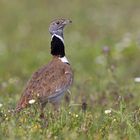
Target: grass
(102, 46)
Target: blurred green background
(102, 45)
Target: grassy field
(103, 47)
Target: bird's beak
(67, 21)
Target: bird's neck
(57, 46)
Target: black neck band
(57, 47)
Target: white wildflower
(137, 79)
(32, 101)
(1, 105)
(108, 111)
(76, 115)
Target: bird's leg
(42, 116)
(42, 105)
(56, 106)
(67, 97)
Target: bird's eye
(57, 22)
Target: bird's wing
(57, 81)
(60, 85)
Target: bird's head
(57, 26)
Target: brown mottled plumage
(49, 83)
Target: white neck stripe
(64, 59)
(58, 37)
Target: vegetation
(103, 47)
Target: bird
(49, 83)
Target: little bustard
(49, 83)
